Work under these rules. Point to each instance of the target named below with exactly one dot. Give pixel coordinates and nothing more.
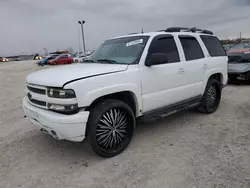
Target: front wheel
(211, 97)
(110, 127)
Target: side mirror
(156, 59)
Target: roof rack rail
(186, 29)
(133, 33)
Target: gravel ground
(185, 150)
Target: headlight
(61, 93)
(62, 107)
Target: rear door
(193, 66)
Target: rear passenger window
(191, 47)
(165, 45)
(213, 46)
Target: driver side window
(167, 46)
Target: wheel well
(126, 96)
(218, 77)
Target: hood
(239, 57)
(58, 76)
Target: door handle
(181, 71)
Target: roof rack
(186, 29)
(133, 33)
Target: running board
(172, 109)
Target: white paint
(152, 87)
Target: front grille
(37, 102)
(234, 58)
(37, 90)
(37, 95)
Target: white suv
(138, 75)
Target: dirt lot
(186, 150)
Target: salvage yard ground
(185, 150)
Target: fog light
(63, 107)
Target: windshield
(241, 46)
(122, 50)
(51, 57)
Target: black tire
(69, 62)
(110, 127)
(76, 61)
(211, 97)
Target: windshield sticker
(134, 42)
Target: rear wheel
(76, 61)
(110, 127)
(211, 97)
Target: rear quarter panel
(216, 65)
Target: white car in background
(79, 58)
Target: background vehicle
(3, 59)
(228, 46)
(129, 77)
(239, 62)
(46, 60)
(80, 58)
(62, 59)
(37, 57)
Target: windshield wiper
(107, 61)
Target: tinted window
(167, 46)
(63, 56)
(191, 47)
(213, 46)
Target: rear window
(213, 46)
(191, 47)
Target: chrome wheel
(112, 129)
(211, 95)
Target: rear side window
(213, 46)
(191, 47)
(165, 45)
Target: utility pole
(79, 45)
(83, 42)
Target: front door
(62, 59)
(161, 84)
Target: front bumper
(60, 126)
(238, 68)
